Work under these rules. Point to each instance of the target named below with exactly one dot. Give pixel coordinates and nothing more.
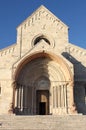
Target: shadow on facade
(32, 91)
(79, 83)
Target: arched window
(38, 39)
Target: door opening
(42, 102)
(42, 108)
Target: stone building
(42, 73)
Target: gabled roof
(43, 9)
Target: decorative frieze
(7, 51)
(73, 49)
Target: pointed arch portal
(42, 86)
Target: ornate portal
(42, 73)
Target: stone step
(43, 122)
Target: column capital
(71, 83)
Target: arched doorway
(42, 87)
(33, 88)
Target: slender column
(59, 95)
(56, 96)
(53, 97)
(21, 98)
(18, 98)
(62, 96)
(65, 96)
(15, 97)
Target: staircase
(49, 122)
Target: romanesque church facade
(42, 73)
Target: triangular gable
(42, 12)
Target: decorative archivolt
(41, 67)
(62, 65)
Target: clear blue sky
(71, 12)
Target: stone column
(15, 98)
(53, 97)
(59, 96)
(72, 104)
(62, 96)
(21, 98)
(65, 96)
(65, 99)
(19, 103)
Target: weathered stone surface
(42, 61)
(43, 122)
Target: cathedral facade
(42, 73)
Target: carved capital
(71, 83)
